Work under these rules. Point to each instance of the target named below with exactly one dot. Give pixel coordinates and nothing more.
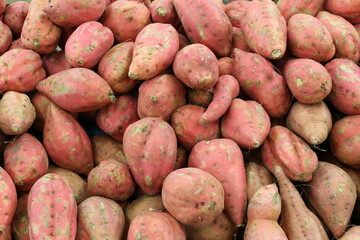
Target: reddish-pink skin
(20, 222)
(16, 45)
(185, 122)
(61, 129)
(257, 176)
(111, 179)
(114, 67)
(160, 97)
(235, 11)
(354, 19)
(183, 41)
(308, 80)
(77, 90)
(14, 16)
(265, 33)
(194, 197)
(352, 234)
(105, 214)
(2, 6)
(39, 33)
(259, 80)
(283, 148)
(25, 161)
(289, 8)
(345, 142)
(163, 11)
(205, 22)
(226, 89)
(156, 225)
(5, 38)
(197, 67)
(344, 34)
(246, 122)
(150, 148)
(70, 13)
(105, 147)
(345, 76)
(223, 159)
(357, 27)
(238, 41)
(7, 235)
(225, 66)
(155, 48)
(87, 44)
(309, 38)
(182, 156)
(55, 62)
(116, 117)
(264, 229)
(200, 97)
(126, 19)
(8, 200)
(343, 8)
(20, 70)
(52, 209)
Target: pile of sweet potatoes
(180, 119)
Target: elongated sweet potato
(155, 48)
(55, 62)
(14, 16)
(289, 8)
(8, 200)
(105, 147)
(20, 222)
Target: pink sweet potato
(5, 38)
(289, 8)
(8, 200)
(105, 147)
(116, 117)
(345, 76)
(126, 19)
(69, 13)
(257, 176)
(246, 122)
(20, 70)
(14, 16)
(185, 122)
(163, 11)
(238, 41)
(16, 45)
(201, 98)
(235, 10)
(160, 97)
(193, 196)
(226, 89)
(61, 129)
(2, 6)
(223, 159)
(55, 62)
(343, 8)
(182, 156)
(308, 80)
(105, 214)
(197, 67)
(352, 234)
(26, 161)
(20, 222)
(309, 38)
(114, 67)
(283, 148)
(183, 41)
(16, 113)
(344, 34)
(39, 33)
(155, 48)
(264, 29)
(225, 66)
(259, 80)
(264, 229)
(77, 90)
(87, 44)
(332, 193)
(150, 149)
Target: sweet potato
(345, 8)
(55, 62)
(259, 80)
(8, 200)
(201, 98)
(155, 48)
(87, 44)
(17, 113)
(2, 6)
(284, 148)
(160, 97)
(352, 234)
(344, 141)
(235, 10)
(308, 80)
(197, 67)
(150, 148)
(344, 34)
(20, 222)
(265, 37)
(100, 218)
(193, 196)
(205, 22)
(126, 19)
(225, 66)
(345, 76)
(312, 122)
(264, 229)
(39, 33)
(105, 147)
(16, 45)
(332, 193)
(297, 221)
(257, 176)
(288, 8)
(5, 39)
(77, 90)
(163, 11)
(246, 122)
(14, 16)
(238, 40)
(309, 38)
(7, 235)
(61, 129)
(223, 159)
(114, 67)
(185, 122)
(183, 41)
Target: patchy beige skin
(8, 200)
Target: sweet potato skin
(264, 229)
(343, 8)
(55, 62)
(14, 16)
(289, 8)
(163, 11)
(352, 234)
(8, 200)
(201, 98)
(257, 176)
(20, 221)
(105, 147)
(225, 66)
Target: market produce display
(179, 119)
